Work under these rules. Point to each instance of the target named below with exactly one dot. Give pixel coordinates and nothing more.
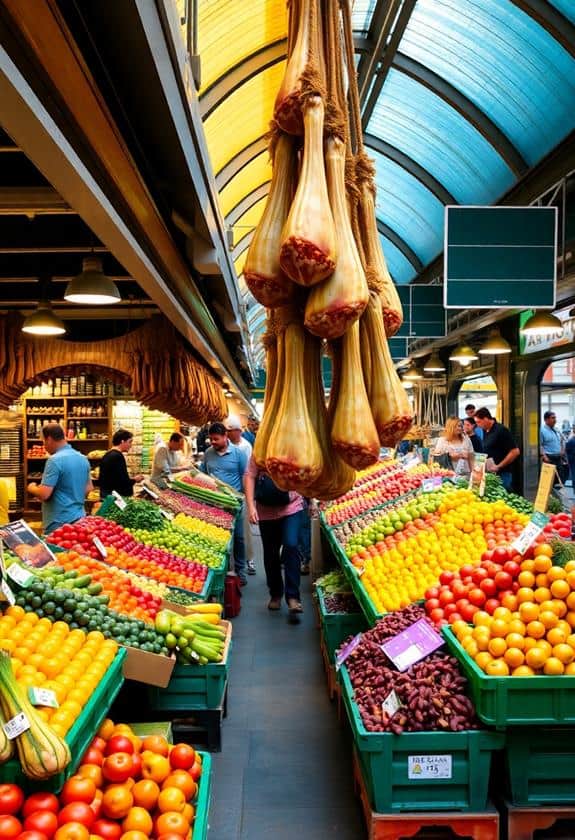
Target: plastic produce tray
(200, 827)
(384, 762)
(194, 686)
(337, 627)
(81, 733)
(513, 701)
(541, 766)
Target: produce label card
(391, 704)
(150, 492)
(16, 726)
(413, 644)
(119, 501)
(429, 767)
(428, 485)
(545, 486)
(21, 539)
(345, 651)
(531, 531)
(100, 546)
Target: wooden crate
(522, 822)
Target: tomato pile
(125, 789)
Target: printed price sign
(429, 767)
(100, 546)
(477, 477)
(7, 592)
(43, 697)
(345, 651)
(530, 533)
(167, 514)
(428, 485)
(151, 493)
(544, 488)
(16, 726)
(391, 704)
(360, 570)
(119, 501)
(20, 575)
(413, 644)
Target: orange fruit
(517, 626)
(172, 823)
(535, 658)
(515, 640)
(528, 566)
(571, 600)
(570, 578)
(189, 812)
(542, 564)
(526, 579)
(556, 636)
(570, 669)
(536, 629)
(571, 640)
(497, 647)
(181, 779)
(553, 667)
(560, 589)
(510, 601)
(559, 607)
(138, 819)
(497, 668)
(145, 793)
(564, 653)
(481, 619)
(522, 671)
(570, 618)
(514, 657)
(93, 772)
(542, 594)
(524, 594)
(543, 550)
(499, 628)
(156, 744)
(116, 802)
(544, 645)
(541, 581)
(134, 835)
(502, 613)
(155, 766)
(548, 619)
(528, 611)
(171, 799)
(482, 659)
(556, 573)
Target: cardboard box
(149, 668)
(164, 727)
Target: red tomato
(40, 802)
(136, 766)
(488, 587)
(500, 554)
(119, 744)
(446, 598)
(9, 826)
(435, 615)
(512, 568)
(195, 771)
(432, 604)
(93, 756)
(467, 570)
(78, 789)
(43, 821)
(11, 799)
(454, 617)
(477, 597)
(503, 580)
(77, 812)
(449, 610)
(98, 743)
(459, 589)
(491, 605)
(32, 835)
(487, 555)
(479, 574)
(432, 592)
(108, 829)
(118, 767)
(467, 612)
(446, 577)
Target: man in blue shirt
(552, 445)
(65, 482)
(228, 463)
(470, 412)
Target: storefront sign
(500, 257)
(423, 311)
(413, 644)
(538, 343)
(546, 482)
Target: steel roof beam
(401, 244)
(551, 19)
(383, 66)
(411, 166)
(247, 203)
(381, 24)
(464, 106)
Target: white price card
(43, 697)
(429, 767)
(151, 493)
(20, 575)
(7, 592)
(167, 514)
(360, 570)
(119, 501)
(391, 704)
(530, 533)
(100, 546)
(16, 726)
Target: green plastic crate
(516, 701)
(384, 761)
(541, 766)
(81, 733)
(336, 627)
(200, 827)
(193, 686)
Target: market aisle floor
(285, 768)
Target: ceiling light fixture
(413, 373)
(434, 364)
(464, 354)
(542, 323)
(92, 286)
(495, 345)
(43, 321)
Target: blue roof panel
(408, 208)
(423, 126)
(566, 7)
(399, 266)
(504, 62)
(361, 15)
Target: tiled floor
(285, 766)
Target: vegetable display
(197, 637)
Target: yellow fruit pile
(47, 654)
(538, 637)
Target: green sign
(500, 257)
(398, 348)
(423, 311)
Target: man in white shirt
(234, 432)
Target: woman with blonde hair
(456, 444)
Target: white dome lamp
(43, 321)
(91, 286)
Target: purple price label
(413, 644)
(345, 651)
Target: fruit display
(50, 654)
(184, 542)
(207, 489)
(197, 637)
(182, 503)
(126, 787)
(432, 693)
(495, 490)
(137, 514)
(333, 582)
(341, 602)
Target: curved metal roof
(460, 98)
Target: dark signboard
(423, 311)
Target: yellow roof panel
(248, 220)
(239, 263)
(243, 116)
(231, 30)
(257, 171)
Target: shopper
(278, 514)
(498, 445)
(570, 455)
(551, 443)
(470, 412)
(113, 469)
(454, 443)
(470, 428)
(167, 460)
(203, 438)
(228, 463)
(250, 433)
(65, 482)
(235, 436)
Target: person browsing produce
(167, 460)
(498, 445)
(113, 469)
(235, 436)
(456, 445)
(228, 463)
(552, 445)
(65, 482)
(470, 429)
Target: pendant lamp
(495, 345)
(434, 364)
(464, 354)
(43, 321)
(92, 286)
(542, 323)
(413, 372)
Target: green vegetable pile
(495, 490)
(138, 514)
(178, 596)
(333, 582)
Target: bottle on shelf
(71, 432)
(31, 428)
(83, 432)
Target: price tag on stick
(119, 501)
(100, 546)
(530, 533)
(391, 704)
(413, 644)
(150, 493)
